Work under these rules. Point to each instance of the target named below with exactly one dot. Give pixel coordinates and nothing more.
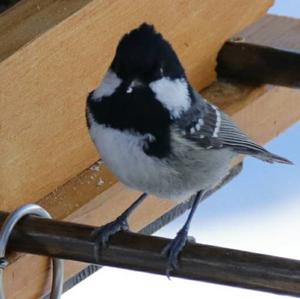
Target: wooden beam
(50, 63)
(28, 20)
(255, 55)
(6, 4)
(144, 253)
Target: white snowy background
(258, 211)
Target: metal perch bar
(143, 253)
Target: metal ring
(5, 232)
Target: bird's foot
(103, 233)
(174, 248)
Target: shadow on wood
(266, 52)
(256, 64)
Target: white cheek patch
(173, 94)
(108, 86)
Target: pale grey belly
(176, 178)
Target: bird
(158, 134)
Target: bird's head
(144, 90)
(144, 55)
(147, 73)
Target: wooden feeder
(54, 52)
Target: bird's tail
(272, 158)
(260, 153)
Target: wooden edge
(266, 52)
(272, 31)
(29, 19)
(5, 5)
(82, 200)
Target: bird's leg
(103, 233)
(174, 248)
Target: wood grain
(45, 77)
(273, 31)
(27, 20)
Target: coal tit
(158, 134)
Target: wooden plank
(6, 4)
(273, 31)
(82, 200)
(43, 85)
(29, 19)
(255, 56)
(144, 253)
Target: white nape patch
(108, 86)
(173, 94)
(218, 122)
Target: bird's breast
(176, 177)
(123, 152)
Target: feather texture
(217, 131)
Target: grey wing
(210, 127)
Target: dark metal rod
(143, 253)
(258, 64)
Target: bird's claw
(173, 250)
(103, 233)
